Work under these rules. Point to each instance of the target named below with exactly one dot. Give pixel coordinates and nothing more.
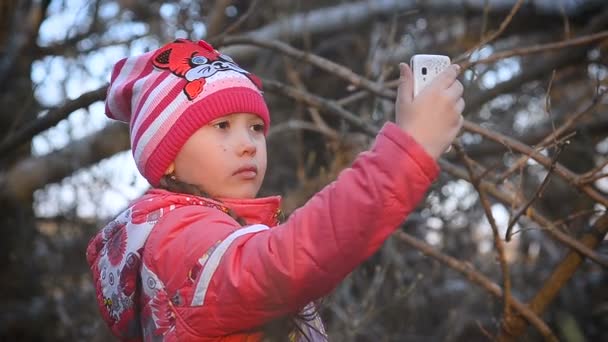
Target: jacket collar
(264, 210)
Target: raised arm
(260, 273)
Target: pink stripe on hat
(155, 105)
(168, 94)
(144, 88)
(119, 91)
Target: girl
(199, 257)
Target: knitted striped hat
(168, 94)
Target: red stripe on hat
(160, 106)
(145, 95)
(117, 69)
(115, 72)
(127, 91)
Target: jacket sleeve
(263, 273)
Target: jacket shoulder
(181, 238)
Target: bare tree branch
(36, 172)
(512, 330)
(50, 119)
(313, 100)
(318, 61)
(545, 224)
(477, 278)
(217, 17)
(539, 48)
(498, 243)
(490, 38)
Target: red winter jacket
(178, 268)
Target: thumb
(406, 83)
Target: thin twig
(510, 199)
(318, 61)
(496, 234)
(219, 39)
(576, 215)
(548, 102)
(583, 40)
(503, 26)
(217, 17)
(314, 100)
(537, 195)
(567, 125)
(558, 278)
(520, 147)
(298, 125)
(477, 278)
(592, 175)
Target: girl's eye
(222, 125)
(258, 127)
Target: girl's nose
(246, 143)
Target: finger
(406, 83)
(447, 76)
(460, 106)
(455, 91)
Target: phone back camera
(424, 70)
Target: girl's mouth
(247, 172)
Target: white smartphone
(425, 68)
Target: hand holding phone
(425, 68)
(429, 102)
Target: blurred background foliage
(533, 69)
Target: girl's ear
(170, 169)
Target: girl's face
(226, 158)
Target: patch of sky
(181, 34)
(64, 20)
(231, 11)
(48, 74)
(481, 53)
(108, 10)
(433, 237)
(503, 71)
(79, 82)
(597, 71)
(458, 221)
(602, 146)
(168, 11)
(96, 65)
(89, 193)
(122, 31)
(199, 30)
(534, 163)
(460, 195)
(51, 139)
(482, 232)
(434, 223)
(421, 24)
(602, 183)
(78, 125)
(533, 115)
(468, 138)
